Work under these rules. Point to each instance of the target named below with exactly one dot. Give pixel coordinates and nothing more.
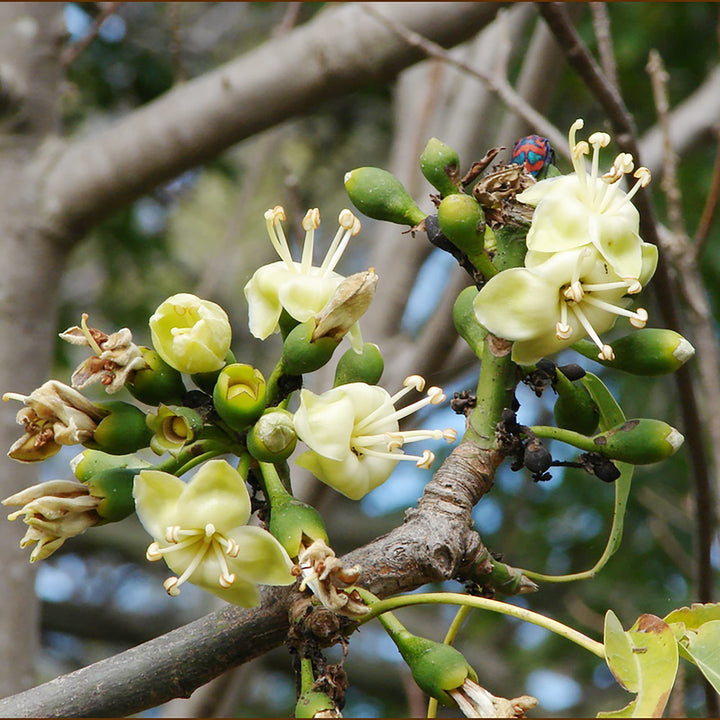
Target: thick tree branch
(437, 542)
(340, 50)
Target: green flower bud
(436, 667)
(640, 442)
(114, 487)
(272, 438)
(366, 366)
(649, 351)
(295, 524)
(301, 354)
(172, 428)
(574, 408)
(380, 195)
(122, 431)
(315, 703)
(206, 380)
(440, 165)
(466, 322)
(90, 462)
(157, 383)
(239, 395)
(463, 223)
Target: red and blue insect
(535, 153)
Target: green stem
(382, 606)
(482, 262)
(570, 437)
(275, 491)
(307, 678)
(495, 389)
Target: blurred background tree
(139, 154)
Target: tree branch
(340, 50)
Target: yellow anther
(171, 586)
(644, 175)
(153, 552)
(428, 458)
(436, 395)
(599, 139)
(580, 149)
(348, 221)
(311, 221)
(640, 318)
(414, 381)
(276, 214)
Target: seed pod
(115, 487)
(574, 408)
(649, 351)
(366, 366)
(122, 431)
(380, 195)
(440, 165)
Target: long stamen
(172, 584)
(423, 461)
(226, 578)
(639, 316)
(597, 140)
(273, 220)
(598, 287)
(349, 227)
(88, 335)
(606, 352)
(310, 224)
(412, 382)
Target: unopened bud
(462, 221)
(239, 395)
(303, 355)
(295, 525)
(380, 195)
(157, 383)
(366, 366)
(440, 165)
(122, 431)
(640, 442)
(172, 428)
(272, 438)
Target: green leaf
(643, 660)
(704, 650)
(694, 616)
(611, 413)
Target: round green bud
(366, 366)
(435, 667)
(380, 195)
(303, 355)
(574, 408)
(640, 442)
(272, 438)
(90, 462)
(115, 487)
(649, 351)
(122, 431)
(239, 395)
(440, 165)
(157, 383)
(292, 523)
(173, 427)
(466, 322)
(206, 380)
(462, 221)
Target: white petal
(156, 494)
(325, 422)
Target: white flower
(354, 436)
(190, 334)
(200, 530)
(558, 299)
(300, 288)
(580, 209)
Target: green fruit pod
(440, 165)
(380, 195)
(366, 366)
(303, 355)
(157, 383)
(574, 408)
(115, 487)
(122, 431)
(462, 221)
(640, 442)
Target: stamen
(232, 549)
(349, 227)
(597, 140)
(633, 286)
(412, 382)
(310, 223)
(153, 552)
(563, 331)
(638, 318)
(88, 335)
(226, 578)
(273, 219)
(172, 584)
(428, 458)
(423, 461)
(606, 352)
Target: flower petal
(264, 306)
(325, 422)
(156, 494)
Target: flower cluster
(585, 256)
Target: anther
(311, 221)
(414, 381)
(153, 552)
(171, 586)
(606, 353)
(427, 460)
(640, 319)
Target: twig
(669, 184)
(711, 203)
(72, 52)
(500, 87)
(555, 14)
(601, 25)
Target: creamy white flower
(200, 530)
(558, 299)
(587, 208)
(300, 288)
(354, 436)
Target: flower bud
(157, 383)
(114, 487)
(640, 442)
(301, 354)
(190, 334)
(295, 525)
(648, 351)
(366, 366)
(440, 165)
(574, 408)
(122, 431)
(462, 221)
(172, 428)
(380, 195)
(239, 395)
(272, 438)
(465, 320)
(90, 462)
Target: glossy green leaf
(703, 647)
